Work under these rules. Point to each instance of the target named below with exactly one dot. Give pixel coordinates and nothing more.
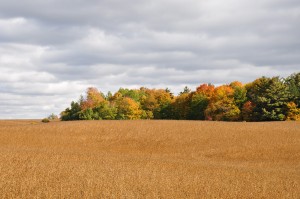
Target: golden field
(149, 159)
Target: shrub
(45, 120)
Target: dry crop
(149, 159)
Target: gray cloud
(51, 51)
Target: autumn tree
(222, 105)
(247, 111)
(164, 100)
(264, 99)
(93, 99)
(240, 93)
(199, 101)
(181, 106)
(128, 109)
(157, 101)
(293, 113)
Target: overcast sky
(52, 50)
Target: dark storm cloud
(51, 51)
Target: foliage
(265, 99)
(293, 83)
(106, 111)
(199, 101)
(71, 113)
(293, 112)
(45, 120)
(198, 105)
(206, 89)
(128, 109)
(247, 111)
(181, 106)
(52, 117)
(157, 101)
(186, 90)
(131, 93)
(93, 99)
(270, 96)
(240, 93)
(88, 114)
(222, 105)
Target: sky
(51, 51)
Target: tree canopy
(264, 99)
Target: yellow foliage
(293, 112)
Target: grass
(149, 159)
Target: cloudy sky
(52, 50)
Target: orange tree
(199, 101)
(222, 105)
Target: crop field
(149, 159)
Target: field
(149, 159)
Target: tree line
(264, 99)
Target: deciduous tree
(222, 105)
(128, 109)
(93, 99)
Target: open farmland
(149, 159)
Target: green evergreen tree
(71, 113)
(270, 96)
(293, 82)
